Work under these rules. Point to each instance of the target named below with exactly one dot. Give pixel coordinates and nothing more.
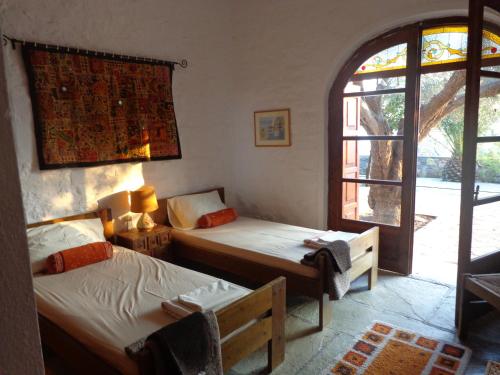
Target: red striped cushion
(217, 218)
(80, 256)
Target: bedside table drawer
(140, 245)
(153, 241)
(164, 238)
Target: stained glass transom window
(440, 45)
(388, 59)
(449, 44)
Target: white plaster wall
(20, 349)
(288, 53)
(244, 56)
(197, 30)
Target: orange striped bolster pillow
(217, 218)
(80, 256)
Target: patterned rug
(389, 350)
(493, 368)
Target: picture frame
(272, 128)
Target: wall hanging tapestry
(96, 108)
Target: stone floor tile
(444, 315)
(393, 301)
(393, 294)
(303, 341)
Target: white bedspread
(259, 240)
(111, 304)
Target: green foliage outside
(452, 126)
(488, 165)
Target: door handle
(476, 193)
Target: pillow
(185, 210)
(80, 256)
(51, 238)
(217, 218)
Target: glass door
(375, 141)
(479, 243)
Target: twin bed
(257, 251)
(89, 315)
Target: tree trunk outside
(386, 164)
(385, 201)
(386, 157)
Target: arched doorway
(377, 117)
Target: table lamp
(143, 200)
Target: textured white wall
(20, 349)
(287, 54)
(193, 29)
(244, 56)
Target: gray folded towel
(338, 262)
(190, 346)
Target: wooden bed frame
(475, 299)
(264, 307)
(364, 257)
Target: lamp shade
(143, 200)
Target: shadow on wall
(56, 193)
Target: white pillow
(185, 210)
(49, 239)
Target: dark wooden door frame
(410, 34)
(491, 262)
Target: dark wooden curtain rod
(183, 63)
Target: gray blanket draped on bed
(338, 262)
(190, 346)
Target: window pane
(449, 44)
(491, 45)
(444, 44)
(374, 115)
(485, 230)
(432, 84)
(377, 160)
(356, 85)
(374, 203)
(389, 59)
(494, 68)
(489, 108)
(488, 169)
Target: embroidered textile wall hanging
(94, 110)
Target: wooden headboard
(160, 216)
(104, 214)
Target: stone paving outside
(419, 305)
(435, 248)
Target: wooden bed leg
(276, 346)
(373, 273)
(325, 311)
(372, 278)
(464, 313)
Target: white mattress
(269, 243)
(111, 304)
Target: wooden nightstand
(155, 242)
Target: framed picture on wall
(272, 128)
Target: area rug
(493, 368)
(385, 349)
